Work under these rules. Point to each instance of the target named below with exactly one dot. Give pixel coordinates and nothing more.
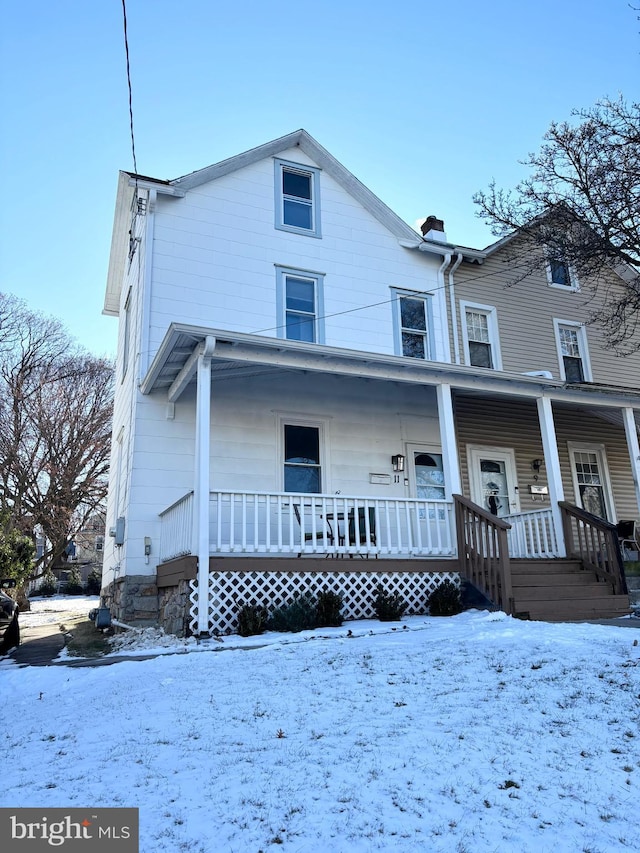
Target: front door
(492, 479)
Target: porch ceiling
(237, 354)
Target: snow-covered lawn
(476, 733)
(49, 611)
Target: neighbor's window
(480, 335)
(561, 274)
(297, 198)
(572, 351)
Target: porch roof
(238, 354)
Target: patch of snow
(477, 732)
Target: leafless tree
(581, 205)
(55, 424)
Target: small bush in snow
(74, 583)
(328, 609)
(252, 619)
(300, 615)
(445, 600)
(94, 582)
(389, 607)
(48, 585)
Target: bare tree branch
(582, 204)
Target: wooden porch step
(553, 567)
(577, 610)
(573, 579)
(566, 594)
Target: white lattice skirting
(228, 591)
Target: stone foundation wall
(133, 599)
(173, 608)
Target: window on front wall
(297, 198)
(412, 325)
(573, 358)
(299, 304)
(480, 335)
(302, 472)
(591, 479)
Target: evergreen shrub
(252, 619)
(328, 609)
(389, 607)
(74, 584)
(300, 615)
(445, 600)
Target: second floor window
(414, 323)
(478, 339)
(299, 301)
(572, 350)
(480, 335)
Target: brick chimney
(433, 229)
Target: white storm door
(492, 479)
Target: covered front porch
(374, 421)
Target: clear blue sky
(424, 102)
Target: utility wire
(126, 49)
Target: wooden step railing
(483, 552)
(594, 541)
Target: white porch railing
(176, 529)
(286, 523)
(532, 535)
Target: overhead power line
(126, 50)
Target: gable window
(571, 341)
(560, 273)
(297, 198)
(302, 471)
(413, 326)
(299, 305)
(480, 335)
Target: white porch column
(634, 448)
(451, 467)
(202, 484)
(552, 464)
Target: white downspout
(441, 269)
(146, 291)
(454, 313)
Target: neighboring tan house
(302, 376)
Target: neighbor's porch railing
(532, 535)
(286, 523)
(483, 552)
(594, 541)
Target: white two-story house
(305, 384)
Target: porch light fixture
(397, 462)
(537, 464)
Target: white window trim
(492, 325)
(600, 451)
(322, 425)
(281, 301)
(582, 343)
(314, 173)
(427, 298)
(574, 283)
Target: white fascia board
(276, 352)
(159, 186)
(119, 246)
